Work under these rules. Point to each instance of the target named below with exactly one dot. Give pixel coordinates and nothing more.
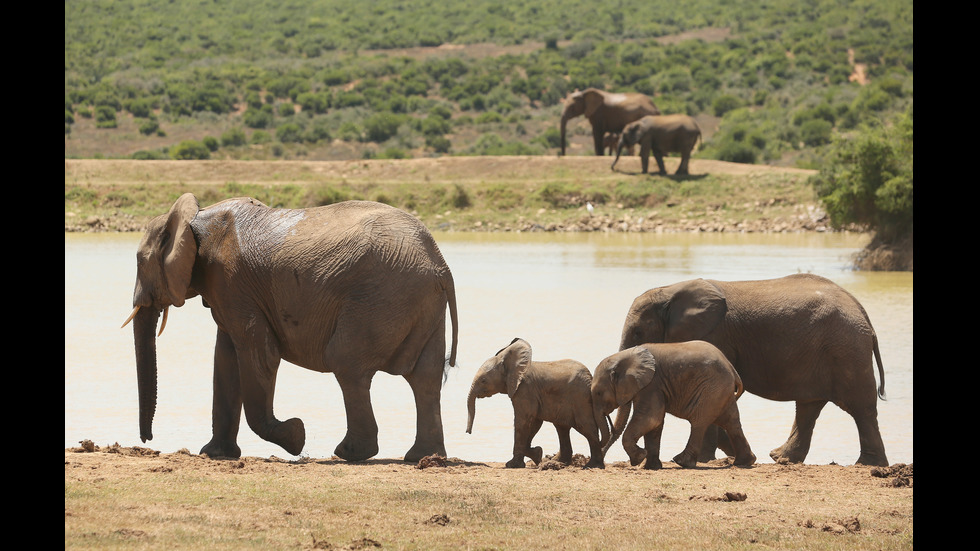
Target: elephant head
(578, 103)
(503, 373)
(628, 138)
(616, 382)
(164, 263)
(685, 311)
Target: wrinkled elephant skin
(351, 288)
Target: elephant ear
(179, 248)
(517, 361)
(593, 101)
(694, 311)
(634, 371)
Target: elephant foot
(745, 460)
(536, 455)
(290, 434)
(595, 464)
(351, 449)
(515, 463)
(686, 460)
(418, 451)
(653, 464)
(872, 459)
(787, 454)
(221, 448)
(638, 456)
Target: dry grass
(183, 501)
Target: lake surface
(566, 294)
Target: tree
(868, 181)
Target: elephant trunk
(564, 124)
(471, 410)
(144, 325)
(622, 415)
(603, 421)
(619, 149)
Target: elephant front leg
(524, 431)
(258, 365)
(226, 407)
(650, 430)
(798, 444)
(361, 441)
(660, 162)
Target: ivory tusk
(164, 322)
(130, 318)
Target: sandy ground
(715, 504)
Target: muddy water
(565, 294)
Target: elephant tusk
(130, 318)
(163, 324)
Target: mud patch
(843, 526)
(434, 460)
(87, 446)
(727, 496)
(898, 475)
(439, 520)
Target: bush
(188, 150)
(149, 126)
(381, 127)
(816, 132)
(233, 137)
(869, 180)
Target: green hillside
(771, 81)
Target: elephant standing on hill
(606, 111)
(351, 288)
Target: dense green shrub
(233, 137)
(190, 150)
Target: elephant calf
(660, 135)
(558, 392)
(692, 380)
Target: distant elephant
(799, 338)
(351, 288)
(691, 380)
(559, 392)
(606, 111)
(661, 134)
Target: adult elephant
(606, 111)
(351, 288)
(799, 338)
(661, 134)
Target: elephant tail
(450, 287)
(881, 369)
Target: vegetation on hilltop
(254, 79)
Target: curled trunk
(622, 415)
(144, 326)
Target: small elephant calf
(559, 392)
(692, 380)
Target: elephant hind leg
(798, 445)
(426, 382)
(564, 444)
(689, 457)
(872, 447)
(736, 444)
(361, 441)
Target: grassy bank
(131, 498)
(461, 193)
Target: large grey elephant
(559, 392)
(799, 338)
(692, 380)
(660, 135)
(351, 288)
(606, 111)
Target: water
(566, 294)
